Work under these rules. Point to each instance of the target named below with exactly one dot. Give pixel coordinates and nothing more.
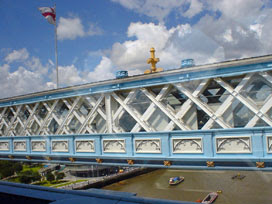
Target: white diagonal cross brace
(188, 103)
(15, 113)
(228, 101)
(120, 111)
(29, 120)
(202, 105)
(71, 109)
(165, 110)
(132, 113)
(267, 103)
(47, 117)
(91, 114)
(91, 100)
(245, 101)
(152, 107)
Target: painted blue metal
(23, 193)
(121, 74)
(182, 75)
(245, 160)
(187, 63)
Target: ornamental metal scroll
(19, 145)
(114, 146)
(187, 145)
(38, 145)
(60, 146)
(233, 144)
(147, 145)
(84, 146)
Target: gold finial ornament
(28, 157)
(167, 163)
(130, 162)
(210, 164)
(72, 159)
(153, 61)
(260, 164)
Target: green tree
(25, 179)
(5, 172)
(59, 176)
(36, 176)
(29, 176)
(50, 177)
(18, 167)
(7, 168)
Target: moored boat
(176, 180)
(210, 198)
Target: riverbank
(100, 182)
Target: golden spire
(153, 61)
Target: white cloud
(68, 76)
(21, 81)
(94, 30)
(102, 71)
(227, 37)
(17, 55)
(195, 8)
(158, 9)
(239, 10)
(30, 76)
(72, 28)
(172, 45)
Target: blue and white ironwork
(175, 114)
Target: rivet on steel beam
(99, 160)
(210, 164)
(260, 164)
(72, 159)
(130, 162)
(167, 163)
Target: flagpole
(56, 49)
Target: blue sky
(98, 37)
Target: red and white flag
(49, 13)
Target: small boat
(210, 198)
(176, 180)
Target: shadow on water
(254, 188)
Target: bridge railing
(220, 149)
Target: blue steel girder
(224, 69)
(240, 148)
(170, 119)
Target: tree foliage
(59, 176)
(8, 168)
(29, 176)
(50, 177)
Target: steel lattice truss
(216, 103)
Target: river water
(255, 188)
